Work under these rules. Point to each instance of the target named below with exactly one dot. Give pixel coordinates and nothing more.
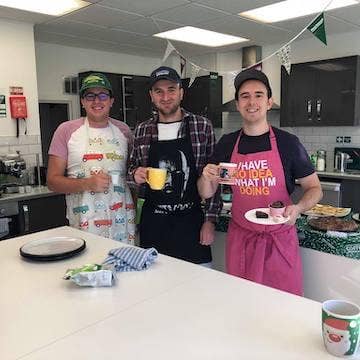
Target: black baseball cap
(164, 73)
(251, 74)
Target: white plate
(54, 248)
(251, 216)
(356, 217)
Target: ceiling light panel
(291, 9)
(202, 37)
(54, 8)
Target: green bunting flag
(317, 28)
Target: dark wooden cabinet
(321, 93)
(42, 213)
(136, 99)
(132, 102)
(51, 116)
(350, 191)
(204, 97)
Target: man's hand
(140, 175)
(211, 172)
(98, 182)
(207, 233)
(293, 212)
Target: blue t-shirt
(294, 158)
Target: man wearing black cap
(87, 161)
(263, 247)
(172, 219)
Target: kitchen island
(173, 310)
(331, 266)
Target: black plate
(54, 248)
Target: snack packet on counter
(92, 275)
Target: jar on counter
(321, 160)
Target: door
(51, 116)
(33, 218)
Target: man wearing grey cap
(260, 246)
(172, 219)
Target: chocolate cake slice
(261, 215)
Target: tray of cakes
(320, 210)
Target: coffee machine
(12, 170)
(347, 159)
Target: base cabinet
(42, 213)
(328, 276)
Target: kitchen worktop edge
(37, 192)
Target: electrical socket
(347, 139)
(339, 139)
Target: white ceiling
(128, 25)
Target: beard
(168, 110)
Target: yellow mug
(156, 178)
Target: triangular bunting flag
(229, 76)
(284, 57)
(194, 72)
(232, 75)
(182, 66)
(168, 51)
(317, 28)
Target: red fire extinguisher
(18, 110)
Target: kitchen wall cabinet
(321, 93)
(204, 97)
(132, 103)
(42, 213)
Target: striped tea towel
(131, 258)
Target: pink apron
(266, 254)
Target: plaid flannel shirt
(203, 144)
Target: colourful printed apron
(266, 254)
(111, 213)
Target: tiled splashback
(313, 138)
(28, 145)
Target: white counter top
(36, 192)
(174, 310)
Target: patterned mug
(340, 327)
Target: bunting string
(316, 26)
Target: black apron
(171, 218)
